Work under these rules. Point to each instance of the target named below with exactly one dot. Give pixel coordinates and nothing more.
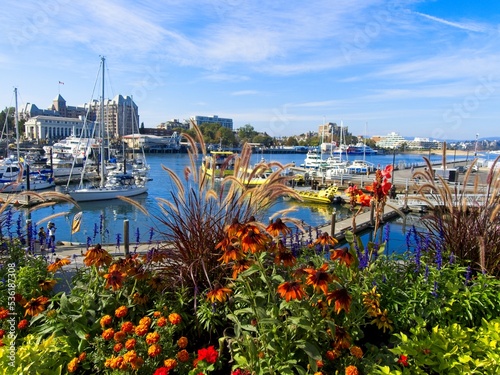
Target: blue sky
(420, 68)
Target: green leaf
(310, 349)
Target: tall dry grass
(464, 218)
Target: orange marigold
(154, 350)
(127, 327)
(174, 318)
(23, 324)
(162, 321)
(351, 370)
(170, 364)
(73, 365)
(130, 344)
(82, 356)
(145, 321)
(182, 342)
(4, 313)
(119, 336)
(118, 346)
(183, 355)
(105, 321)
(141, 330)
(152, 338)
(156, 314)
(356, 351)
(130, 356)
(332, 355)
(121, 311)
(108, 334)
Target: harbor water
(103, 221)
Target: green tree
(246, 133)
(291, 141)
(263, 139)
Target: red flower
(23, 324)
(208, 355)
(403, 360)
(291, 290)
(161, 371)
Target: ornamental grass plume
(463, 218)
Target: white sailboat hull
(105, 193)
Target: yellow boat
(328, 196)
(219, 164)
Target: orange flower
(219, 293)
(253, 240)
(119, 336)
(183, 355)
(82, 356)
(235, 229)
(152, 338)
(73, 365)
(156, 314)
(145, 321)
(170, 364)
(291, 290)
(231, 253)
(114, 277)
(22, 324)
(182, 342)
(97, 256)
(127, 327)
(343, 255)
(121, 311)
(324, 239)
(342, 300)
(58, 264)
(342, 339)
(118, 346)
(356, 351)
(4, 313)
(154, 350)
(283, 255)
(162, 321)
(47, 285)
(274, 229)
(36, 305)
(108, 334)
(240, 266)
(130, 344)
(332, 355)
(130, 356)
(319, 279)
(364, 199)
(174, 318)
(105, 321)
(351, 370)
(140, 299)
(141, 330)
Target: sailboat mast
(16, 124)
(102, 124)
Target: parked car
(474, 168)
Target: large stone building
(121, 117)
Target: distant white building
(224, 122)
(52, 128)
(392, 140)
(424, 144)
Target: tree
(263, 139)
(246, 133)
(291, 141)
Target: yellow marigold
(356, 351)
(108, 334)
(182, 342)
(119, 336)
(174, 318)
(121, 311)
(82, 356)
(137, 363)
(162, 321)
(118, 347)
(130, 344)
(154, 350)
(170, 364)
(146, 321)
(351, 370)
(73, 365)
(127, 327)
(130, 356)
(183, 355)
(141, 330)
(152, 338)
(106, 320)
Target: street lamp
(475, 147)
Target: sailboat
(15, 173)
(110, 187)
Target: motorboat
(328, 195)
(219, 164)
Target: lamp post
(475, 146)
(393, 164)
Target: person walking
(51, 227)
(42, 238)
